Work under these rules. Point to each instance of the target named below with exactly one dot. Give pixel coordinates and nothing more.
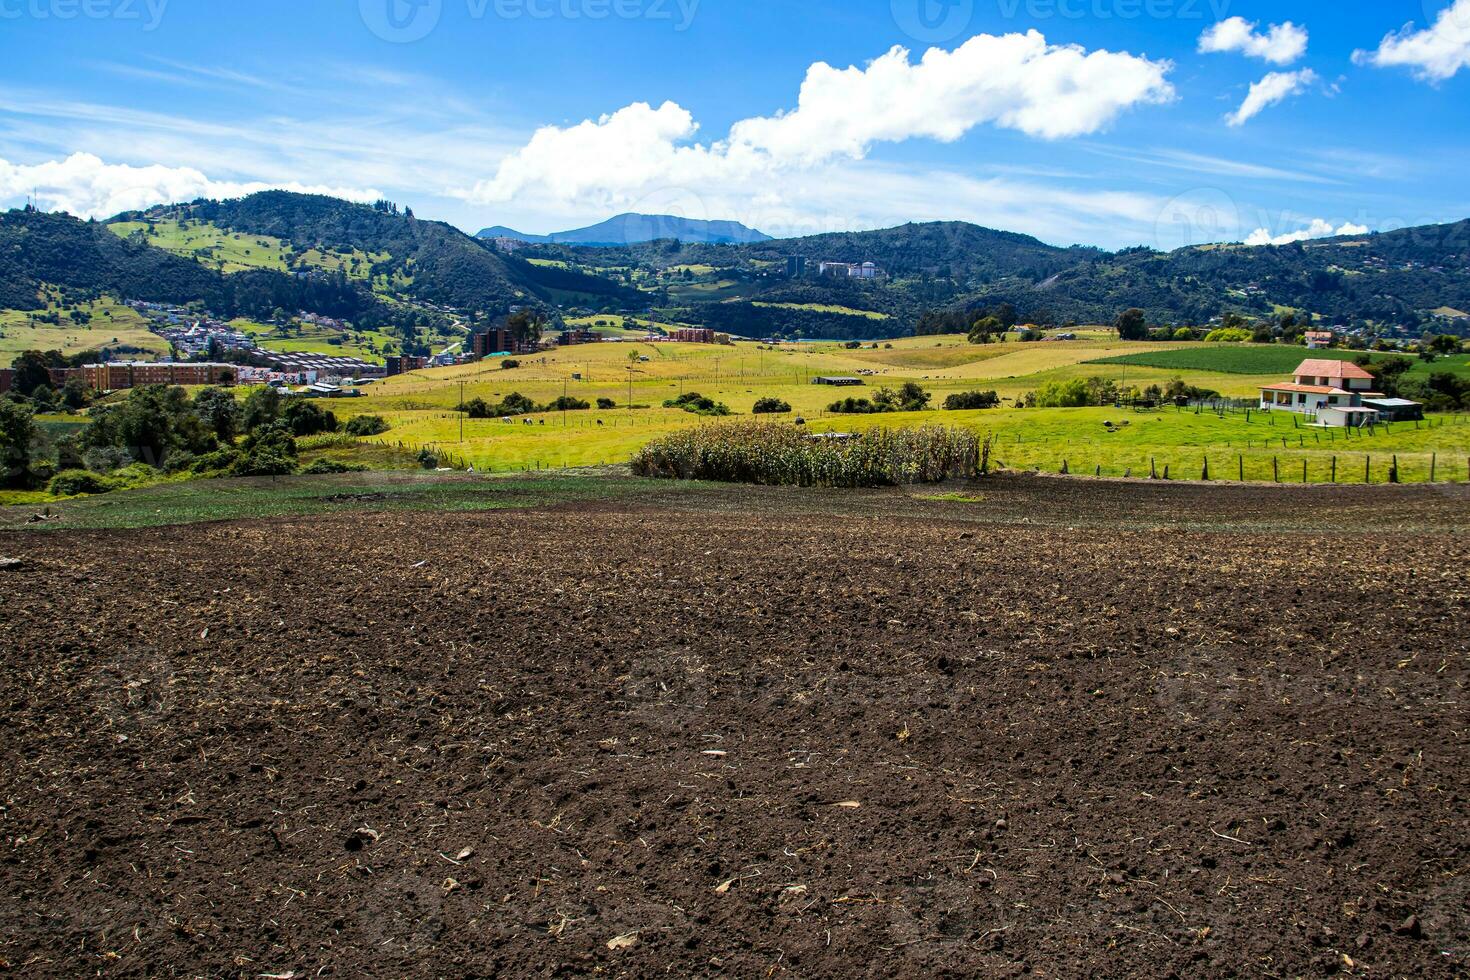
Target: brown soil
(744, 741)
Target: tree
(526, 326)
(307, 419)
(17, 432)
(1062, 394)
(32, 371)
(1131, 325)
(76, 394)
(985, 329)
(262, 407)
(218, 409)
(373, 425)
(1445, 344)
(771, 406)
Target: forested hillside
(433, 262)
(1390, 281)
(84, 259)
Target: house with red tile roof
(1329, 390)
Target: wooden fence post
(1304, 471)
(1205, 476)
(1334, 469)
(1242, 467)
(1367, 469)
(1433, 466)
(1393, 471)
(1276, 468)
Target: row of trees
(162, 429)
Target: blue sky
(1113, 124)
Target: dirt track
(742, 742)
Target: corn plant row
(772, 453)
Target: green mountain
(1390, 280)
(85, 260)
(379, 266)
(424, 261)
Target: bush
(72, 483)
(775, 454)
(509, 365)
(427, 460)
(1228, 335)
(909, 398)
(771, 406)
(606, 403)
(307, 419)
(264, 463)
(568, 403)
(971, 400)
(695, 403)
(105, 459)
(1062, 394)
(324, 467)
(219, 462)
(367, 425)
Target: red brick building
(494, 341)
(405, 364)
(121, 375)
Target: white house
(1331, 390)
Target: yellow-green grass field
(366, 344)
(422, 409)
(231, 252)
(225, 250)
(112, 325)
(824, 308)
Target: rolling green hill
(424, 261)
(1393, 279)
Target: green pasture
(262, 497)
(111, 325)
(1266, 359)
(422, 409)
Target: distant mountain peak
(636, 229)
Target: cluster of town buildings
(848, 270)
(796, 266)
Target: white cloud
(1281, 44)
(1319, 228)
(1275, 87)
(1017, 81)
(1435, 53)
(84, 185)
